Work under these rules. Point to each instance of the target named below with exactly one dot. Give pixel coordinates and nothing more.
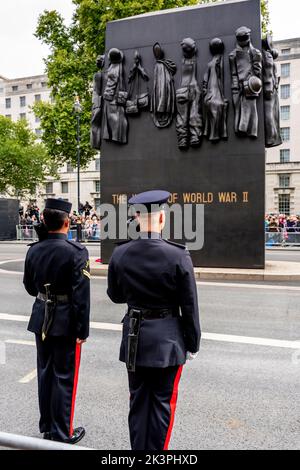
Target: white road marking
(248, 286)
(32, 375)
(19, 341)
(106, 326)
(275, 343)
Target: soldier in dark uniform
(57, 274)
(161, 328)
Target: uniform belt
(152, 314)
(63, 299)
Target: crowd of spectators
(282, 223)
(87, 220)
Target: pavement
(274, 271)
(242, 392)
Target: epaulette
(33, 243)
(122, 242)
(179, 245)
(77, 245)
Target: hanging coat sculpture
(271, 98)
(214, 101)
(115, 122)
(163, 95)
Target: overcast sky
(21, 54)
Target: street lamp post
(78, 111)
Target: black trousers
(153, 397)
(58, 360)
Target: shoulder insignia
(122, 242)
(76, 244)
(179, 245)
(86, 269)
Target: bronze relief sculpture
(188, 99)
(163, 94)
(270, 91)
(215, 104)
(97, 104)
(246, 83)
(138, 97)
(115, 96)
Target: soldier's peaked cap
(152, 200)
(242, 31)
(59, 205)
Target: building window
(29, 86)
(285, 112)
(285, 133)
(97, 164)
(97, 205)
(38, 132)
(8, 116)
(14, 88)
(8, 103)
(49, 188)
(284, 204)
(286, 51)
(37, 120)
(284, 181)
(285, 70)
(70, 168)
(1, 90)
(285, 92)
(22, 101)
(64, 187)
(37, 98)
(44, 84)
(97, 186)
(22, 115)
(285, 155)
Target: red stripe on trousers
(173, 407)
(76, 372)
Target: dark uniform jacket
(65, 265)
(154, 273)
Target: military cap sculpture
(188, 99)
(246, 83)
(271, 98)
(214, 102)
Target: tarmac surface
(242, 392)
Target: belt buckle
(136, 311)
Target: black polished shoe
(47, 436)
(78, 434)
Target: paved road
(234, 395)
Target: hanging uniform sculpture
(214, 102)
(97, 107)
(115, 96)
(246, 83)
(138, 98)
(163, 95)
(188, 99)
(271, 98)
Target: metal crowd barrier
(283, 238)
(27, 233)
(16, 441)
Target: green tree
(71, 64)
(24, 163)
